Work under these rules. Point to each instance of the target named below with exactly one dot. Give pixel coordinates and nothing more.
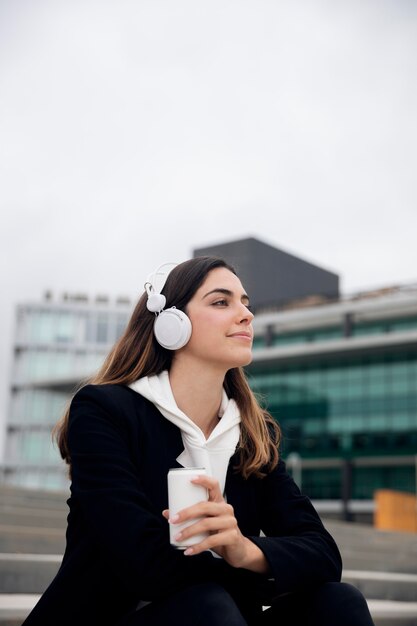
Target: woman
(153, 407)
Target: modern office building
(340, 376)
(57, 344)
(271, 276)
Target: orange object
(395, 510)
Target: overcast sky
(132, 131)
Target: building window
(102, 328)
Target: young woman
(186, 402)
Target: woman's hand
(219, 520)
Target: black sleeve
(117, 514)
(299, 550)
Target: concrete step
(384, 585)
(14, 608)
(26, 516)
(388, 613)
(375, 562)
(33, 497)
(32, 540)
(27, 573)
(362, 535)
(31, 573)
(363, 547)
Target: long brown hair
(137, 354)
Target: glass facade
(40, 363)
(356, 405)
(46, 326)
(327, 333)
(56, 346)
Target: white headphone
(172, 327)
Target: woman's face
(222, 323)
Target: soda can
(182, 493)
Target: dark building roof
(271, 276)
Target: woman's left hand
(218, 519)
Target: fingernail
(174, 518)
(188, 551)
(178, 537)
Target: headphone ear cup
(172, 329)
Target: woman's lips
(246, 336)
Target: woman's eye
(220, 303)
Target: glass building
(57, 344)
(341, 379)
(338, 373)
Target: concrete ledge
(387, 613)
(31, 539)
(383, 576)
(31, 558)
(383, 585)
(17, 605)
(27, 573)
(26, 516)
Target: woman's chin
(245, 359)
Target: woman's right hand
(225, 537)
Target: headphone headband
(156, 301)
(152, 281)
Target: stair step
(14, 607)
(31, 539)
(384, 585)
(26, 516)
(27, 573)
(17, 496)
(388, 613)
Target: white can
(182, 493)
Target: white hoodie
(213, 453)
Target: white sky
(133, 131)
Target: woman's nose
(246, 314)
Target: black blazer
(118, 549)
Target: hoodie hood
(213, 453)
